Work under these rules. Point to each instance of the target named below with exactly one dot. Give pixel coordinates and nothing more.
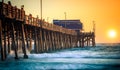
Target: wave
(87, 52)
(108, 44)
(100, 57)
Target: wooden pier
(19, 31)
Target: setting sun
(112, 33)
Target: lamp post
(65, 19)
(41, 12)
(65, 15)
(41, 8)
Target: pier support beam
(53, 41)
(36, 40)
(27, 39)
(9, 42)
(13, 41)
(58, 40)
(50, 41)
(5, 44)
(41, 42)
(17, 40)
(39, 46)
(55, 44)
(80, 40)
(23, 41)
(71, 41)
(93, 41)
(30, 47)
(1, 45)
(61, 42)
(45, 41)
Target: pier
(19, 31)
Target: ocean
(103, 56)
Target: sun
(112, 33)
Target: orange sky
(105, 13)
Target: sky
(105, 13)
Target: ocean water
(103, 56)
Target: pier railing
(13, 12)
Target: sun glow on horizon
(112, 34)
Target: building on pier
(76, 25)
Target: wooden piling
(61, 44)
(1, 44)
(38, 35)
(36, 40)
(57, 39)
(8, 34)
(93, 40)
(27, 36)
(13, 41)
(17, 40)
(23, 42)
(41, 41)
(53, 41)
(50, 41)
(30, 47)
(5, 44)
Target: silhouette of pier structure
(21, 31)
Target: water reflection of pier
(19, 31)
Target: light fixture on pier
(41, 8)
(65, 19)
